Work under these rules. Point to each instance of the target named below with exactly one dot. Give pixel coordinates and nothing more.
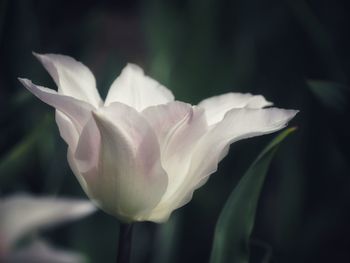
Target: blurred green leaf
(13, 161)
(236, 221)
(331, 94)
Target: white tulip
(40, 251)
(139, 155)
(23, 214)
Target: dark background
(295, 53)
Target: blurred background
(294, 52)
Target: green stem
(124, 243)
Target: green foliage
(236, 221)
(14, 161)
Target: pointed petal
(41, 252)
(238, 124)
(72, 77)
(213, 146)
(179, 126)
(130, 179)
(135, 89)
(21, 214)
(76, 110)
(217, 106)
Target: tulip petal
(130, 179)
(41, 252)
(21, 214)
(217, 106)
(137, 90)
(179, 126)
(213, 146)
(237, 124)
(74, 165)
(67, 130)
(87, 152)
(72, 77)
(79, 112)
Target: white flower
(40, 251)
(139, 154)
(22, 214)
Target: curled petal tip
(293, 113)
(27, 83)
(24, 81)
(38, 56)
(269, 103)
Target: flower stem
(124, 243)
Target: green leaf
(236, 221)
(14, 161)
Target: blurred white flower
(23, 214)
(139, 154)
(40, 251)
